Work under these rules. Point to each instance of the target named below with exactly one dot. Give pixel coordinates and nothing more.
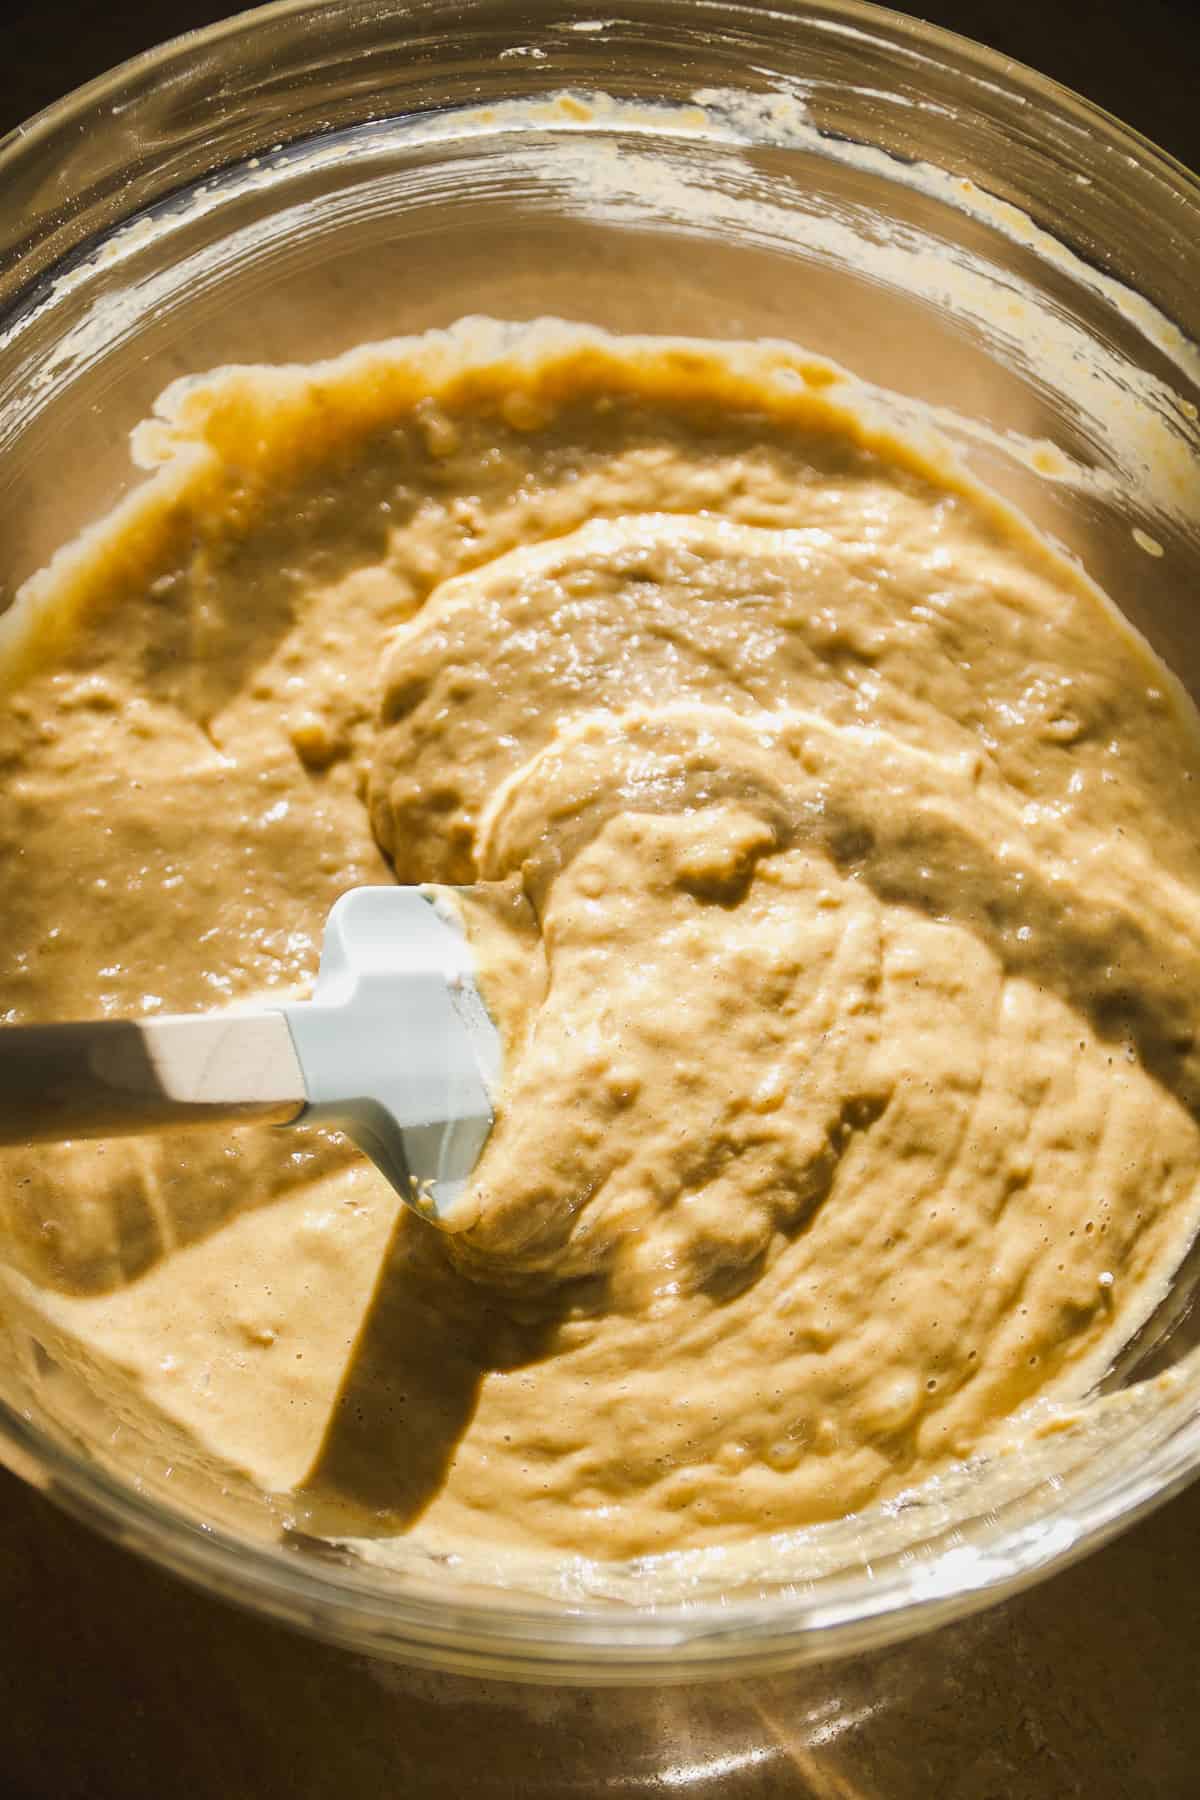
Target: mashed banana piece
(836, 852)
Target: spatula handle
(114, 1077)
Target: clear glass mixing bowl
(1022, 271)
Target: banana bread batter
(836, 852)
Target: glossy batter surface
(838, 899)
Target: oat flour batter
(839, 865)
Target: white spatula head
(396, 1046)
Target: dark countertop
(117, 1683)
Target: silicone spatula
(395, 1048)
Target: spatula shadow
(411, 1385)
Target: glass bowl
(1018, 270)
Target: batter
(835, 853)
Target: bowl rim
(675, 1643)
(594, 1641)
(23, 139)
